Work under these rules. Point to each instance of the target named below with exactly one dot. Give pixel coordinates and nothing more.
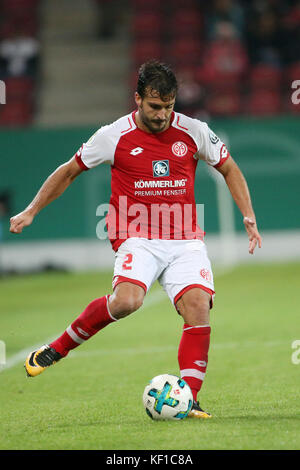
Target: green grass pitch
(93, 398)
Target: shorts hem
(119, 279)
(192, 286)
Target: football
(167, 397)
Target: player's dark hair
(156, 76)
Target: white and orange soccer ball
(167, 397)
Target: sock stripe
(197, 326)
(197, 374)
(74, 336)
(94, 318)
(107, 306)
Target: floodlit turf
(93, 399)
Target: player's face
(154, 113)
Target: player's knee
(198, 306)
(125, 303)
(130, 304)
(197, 314)
(195, 308)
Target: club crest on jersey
(205, 274)
(160, 168)
(179, 149)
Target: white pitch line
(124, 351)
(166, 348)
(151, 299)
(20, 356)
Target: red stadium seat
(190, 92)
(149, 5)
(265, 76)
(291, 101)
(133, 79)
(13, 26)
(224, 103)
(132, 85)
(263, 103)
(16, 113)
(225, 64)
(146, 50)
(18, 29)
(147, 25)
(219, 80)
(185, 23)
(18, 7)
(19, 88)
(292, 72)
(184, 52)
(187, 70)
(184, 4)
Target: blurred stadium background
(69, 67)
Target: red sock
(95, 317)
(193, 355)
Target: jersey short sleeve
(210, 147)
(100, 148)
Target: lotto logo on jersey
(161, 168)
(136, 151)
(179, 149)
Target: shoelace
(46, 357)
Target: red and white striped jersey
(152, 175)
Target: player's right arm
(52, 188)
(100, 148)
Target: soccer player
(153, 153)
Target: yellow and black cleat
(197, 412)
(39, 360)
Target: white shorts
(178, 265)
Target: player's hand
(19, 221)
(253, 234)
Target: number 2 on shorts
(127, 262)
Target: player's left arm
(238, 187)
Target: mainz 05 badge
(179, 149)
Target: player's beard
(154, 125)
